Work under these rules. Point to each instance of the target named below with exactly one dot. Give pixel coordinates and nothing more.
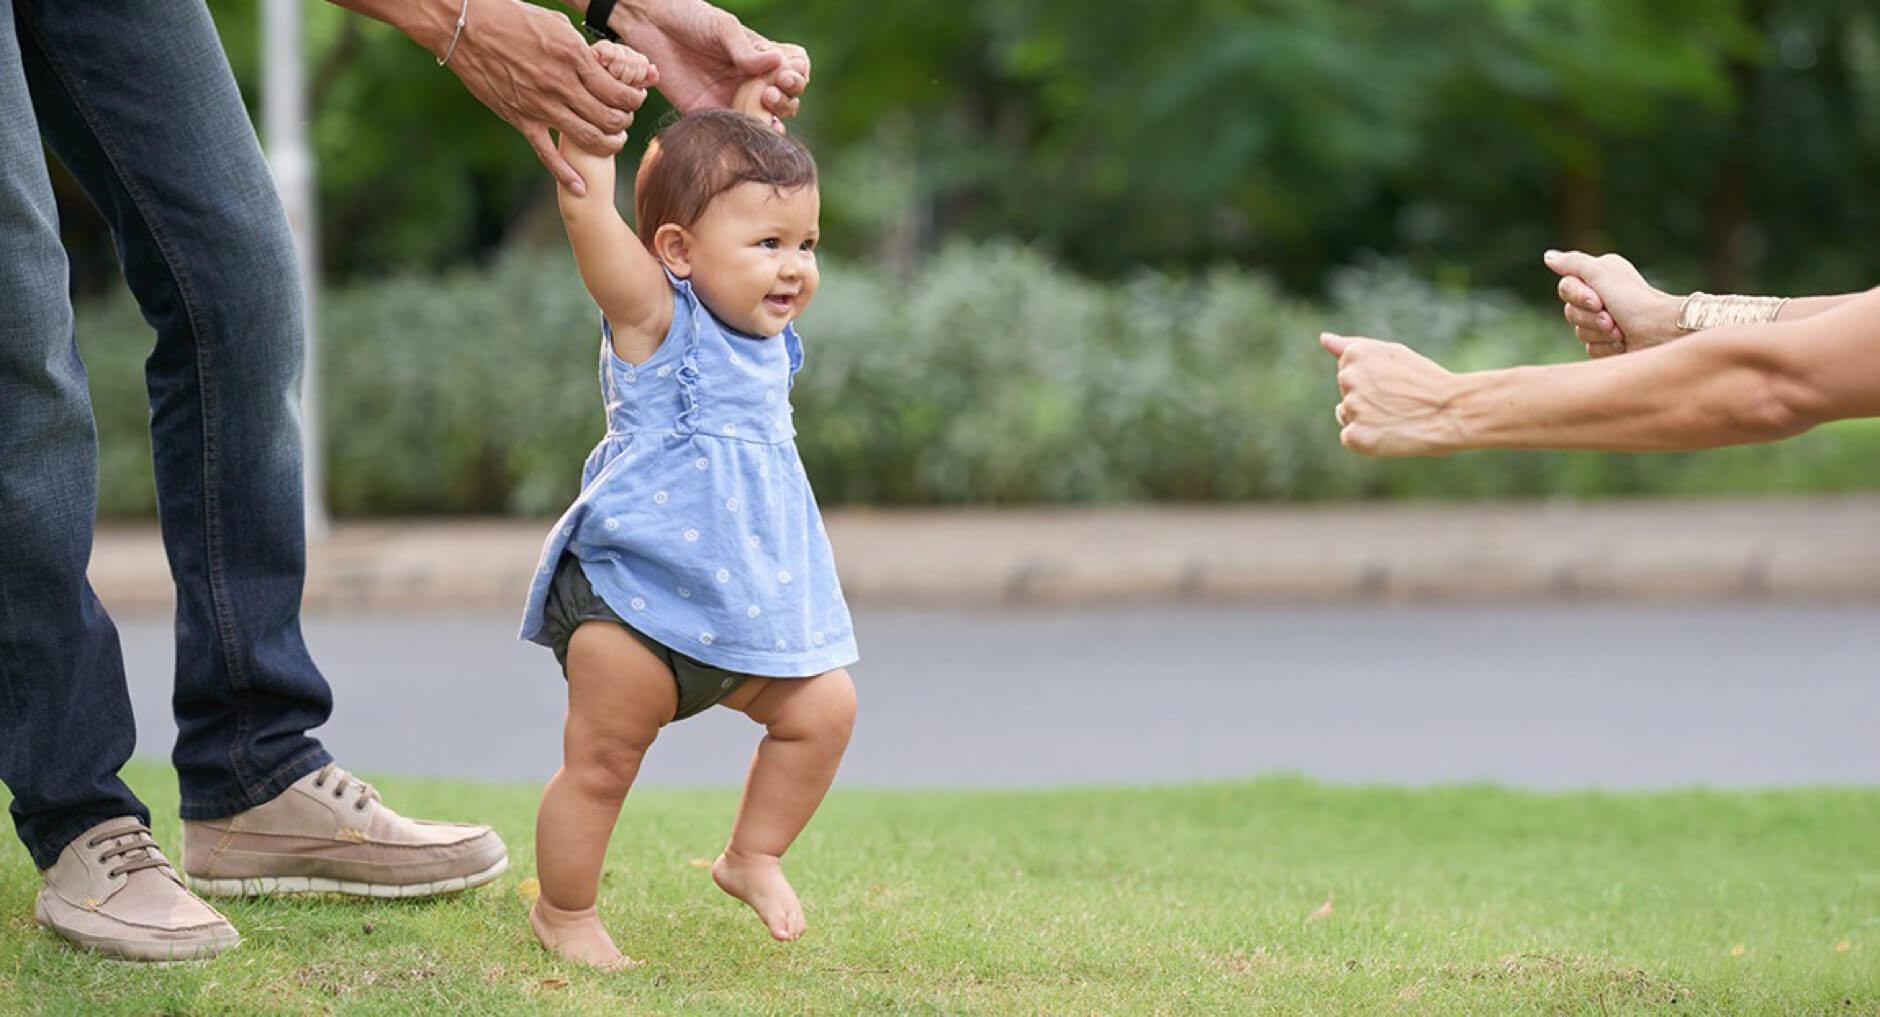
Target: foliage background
(1083, 258)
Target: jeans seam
(211, 507)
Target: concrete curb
(1827, 548)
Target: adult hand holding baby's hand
(706, 55)
(749, 99)
(630, 68)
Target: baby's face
(753, 256)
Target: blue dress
(695, 522)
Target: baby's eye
(769, 243)
(807, 245)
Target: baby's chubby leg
(807, 722)
(619, 695)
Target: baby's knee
(604, 767)
(824, 709)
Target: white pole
(284, 119)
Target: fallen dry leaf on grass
(1738, 950)
(1843, 946)
(528, 890)
(700, 863)
(1324, 911)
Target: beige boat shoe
(329, 833)
(112, 891)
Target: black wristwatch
(595, 21)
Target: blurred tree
(1725, 143)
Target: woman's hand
(704, 54)
(1393, 400)
(531, 67)
(1610, 305)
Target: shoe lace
(130, 843)
(341, 780)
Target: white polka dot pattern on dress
(741, 457)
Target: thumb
(751, 54)
(1336, 344)
(1569, 262)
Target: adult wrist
(1660, 324)
(1701, 310)
(431, 23)
(1455, 426)
(630, 17)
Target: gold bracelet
(1710, 310)
(462, 16)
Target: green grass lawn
(1186, 900)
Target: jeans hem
(259, 794)
(46, 854)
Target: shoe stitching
(221, 846)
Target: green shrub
(989, 376)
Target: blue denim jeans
(137, 101)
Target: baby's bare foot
(577, 935)
(759, 882)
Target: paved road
(1539, 696)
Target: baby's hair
(702, 155)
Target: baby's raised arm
(620, 273)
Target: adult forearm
(1725, 387)
(629, 16)
(429, 23)
(1806, 307)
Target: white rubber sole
(264, 886)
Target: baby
(693, 570)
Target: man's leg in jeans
(138, 101)
(65, 718)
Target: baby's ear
(673, 247)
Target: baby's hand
(749, 98)
(629, 67)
